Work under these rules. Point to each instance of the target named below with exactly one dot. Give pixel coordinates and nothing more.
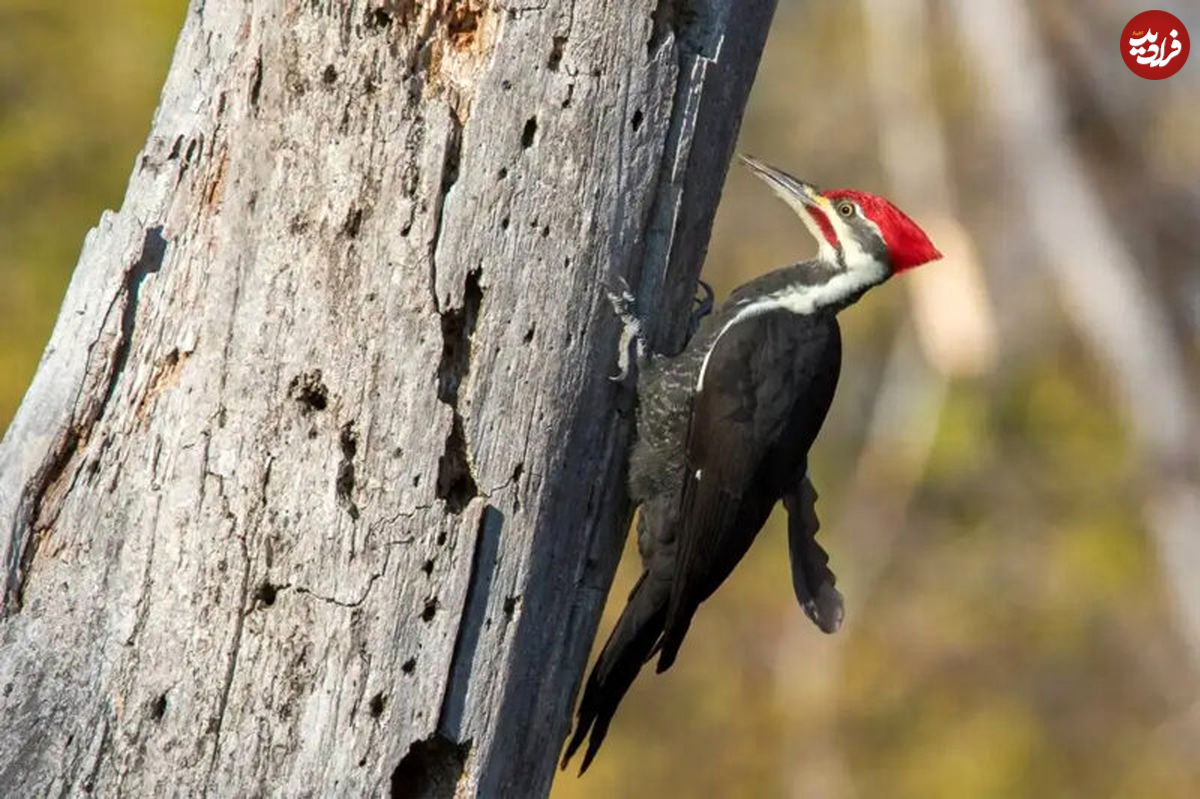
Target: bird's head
(854, 230)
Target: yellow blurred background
(1009, 476)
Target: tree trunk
(318, 489)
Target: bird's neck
(811, 286)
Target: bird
(723, 430)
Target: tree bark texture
(318, 489)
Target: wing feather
(755, 377)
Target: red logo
(1155, 45)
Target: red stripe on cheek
(823, 223)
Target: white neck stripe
(801, 299)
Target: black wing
(764, 393)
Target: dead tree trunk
(317, 490)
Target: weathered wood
(317, 489)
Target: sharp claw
(622, 301)
(704, 306)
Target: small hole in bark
(377, 703)
(353, 223)
(256, 80)
(546, 232)
(502, 174)
(266, 593)
(504, 223)
(330, 74)
(158, 707)
(409, 665)
(529, 333)
(557, 46)
(510, 605)
(309, 390)
(530, 133)
(637, 120)
(441, 539)
(430, 610)
(344, 484)
(416, 480)
(379, 18)
(427, 567)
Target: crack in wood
(479, 588)
(216, 723)
(32, 518)
(344, 485)
(456, 483)
(451, 161)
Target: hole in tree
(158, 708)
(430, 768)
(379, 18)
(529, 133)
(266, 593)
(557, 46)
(376, 705)
(309, 390)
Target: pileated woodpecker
(724, 429)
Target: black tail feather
(628, 647)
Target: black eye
(846, 209)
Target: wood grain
(318, 489)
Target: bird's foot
(703, 307)
(622, 301)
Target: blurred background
(1010, 476)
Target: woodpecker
(724, 428)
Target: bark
(318, 488)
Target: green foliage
(78, 85)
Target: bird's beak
(786, 186)
(814, 210)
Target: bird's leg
(622, 301)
